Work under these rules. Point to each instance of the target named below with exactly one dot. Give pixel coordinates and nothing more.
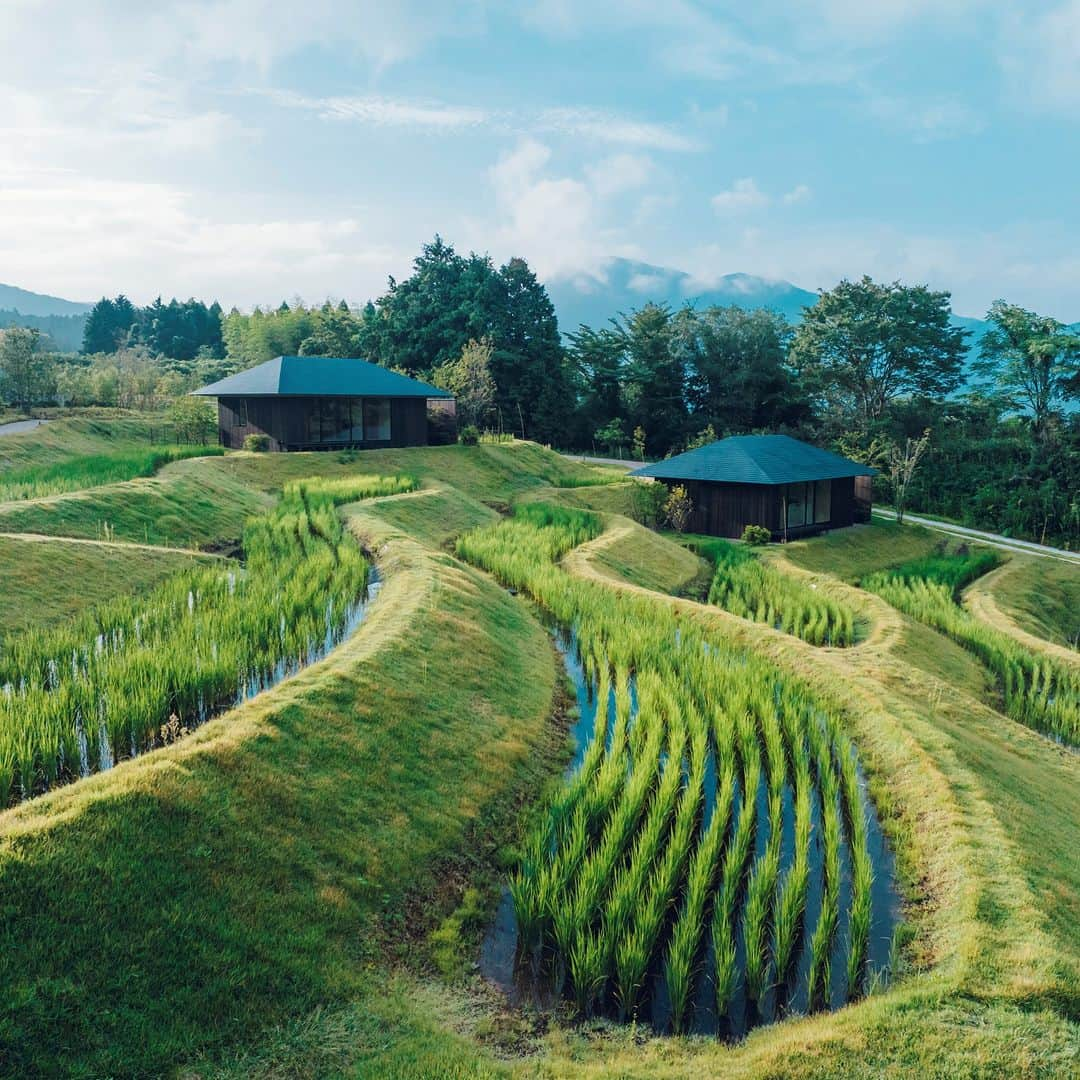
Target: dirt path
(44, 538)
(979, 599)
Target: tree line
(869, 366)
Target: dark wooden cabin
(330, 403)
(790, 487)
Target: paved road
(620, 462)
(1006, 543)
(19, 425)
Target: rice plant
(626, 871)
(747, 586)
(1039, 691)
(119, 679)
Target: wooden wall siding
(726, 509)
(286, 421)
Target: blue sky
(249, 150)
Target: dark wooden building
(790, 487)
(330, 403)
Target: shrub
(258, 444)
(469, 435)
(678, 507)
(756, 535)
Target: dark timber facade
(330, 403)
(791, 488)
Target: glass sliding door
(376, 420)
(797, 499)
(822, 502)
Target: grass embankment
(93, 470)
(490, 473)
(187, 504)
(851, 554)
(1039, 689)
(1040, 596)
(46, 583)
(633, 553)
(257, 873)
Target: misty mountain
(31, 303)
(622, 285)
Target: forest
(869, 367)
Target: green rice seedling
(622, 855)
(791, 901)
(746, 586)
(197, 644)
(1039, 691)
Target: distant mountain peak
(592, 297)
(12, 298)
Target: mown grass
(648, 559)
(93, 470)
(68, 439)
(434, 516)
(1043, 596)
(45, 584)
(187, 504)
(493, 474)
(852, 553)
(242, 878)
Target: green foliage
(27, 374)
(180, 330)
(469, 435)
(756, 535)
(257, 444)
(864, 344)
(468, 378)
(751, 589)
(1031, 360)
(678, 508)
(193, 418)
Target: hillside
(314, 882)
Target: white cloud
(926, 121)
(798, 194)
(613, 128)
(1040, 54)
(383, 111)
(744, 196)
(619, 173)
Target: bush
(678, 507)
(469, 435)
(756, 535)
(258, 444)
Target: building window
(242, 412)
(312, 421)
(797, 496)
(336, 420)
(377, 420)
(822, 502)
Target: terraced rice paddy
(711, 861)
(134, 674)
(1039, 691)
(748, 587)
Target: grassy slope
(187, 504)
(255, 869)
(45, 583)
(489, 473)
(70, 438)
(849, 554)
(1041, 595)
(434, 516)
